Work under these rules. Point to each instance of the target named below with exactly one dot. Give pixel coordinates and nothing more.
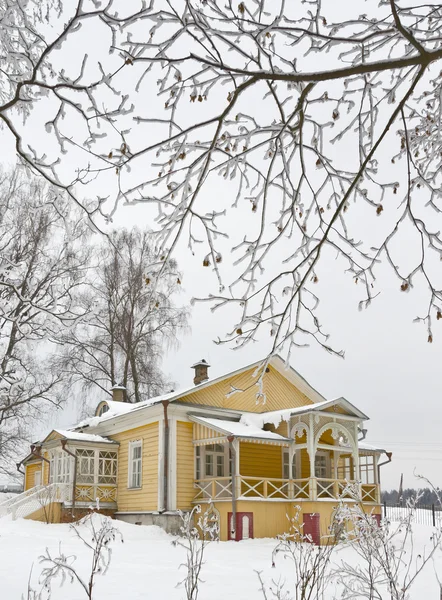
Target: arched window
(102, 409)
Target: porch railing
(220, 488)
(35, 498)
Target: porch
(83, 466)
(216, 489)
(311, 457)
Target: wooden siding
(30, 474)
(260, 460)
(280, 393)
(54, 435)
(146, 497)
(269, 518)
(305, 464)
(185, 465)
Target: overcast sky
(389, 370)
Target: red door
(244, 526)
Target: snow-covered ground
(146, 565)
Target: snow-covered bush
(310, 563)
(194, 538)
(97, 533)
(389, 561)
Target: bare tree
(303, 109)
(134, 319)
(42, 260)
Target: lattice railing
(369, 493)
(281, 489)
(214, 488)
(90, 493)
(36, 498)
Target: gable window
(286, 465)
(103, 409)
(322, 465)
(135, 464)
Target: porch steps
(34, 499)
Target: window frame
(367, 468)
(132, 446)
(324, 454)
(295, 467)
(347, 469)
(200, 459)
(102, 461)
(85, 455)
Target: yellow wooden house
(250, 460)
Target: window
(135, 464)
(198, 462)
(213, 460)
(51, 467)
(61, 468)
(286, 465)
(85, 466)
(107, 467)
(345, 468)
(366, 467)
(321, 465)
(103, 409)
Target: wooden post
(233, 526)
(433, 513)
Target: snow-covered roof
(117, 409)
(275, 417)
(364, 446)
(238, 429)
(83, 437)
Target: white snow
(240, 429)
(146, 565)
(83, 437)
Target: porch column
(376, 478)
(335, 474)
(292, 456)
(237, 482)
(311, 453)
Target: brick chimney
(118, 393)
(201, 371)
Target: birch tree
(42, 260)
(322, 123)
(134, 319)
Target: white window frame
(61, 467)
(347, 468)
(295, 464)
(367, 466)
(326, 455)
(200, 461)
(86, 477)
(132, 445)
(108, 459)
